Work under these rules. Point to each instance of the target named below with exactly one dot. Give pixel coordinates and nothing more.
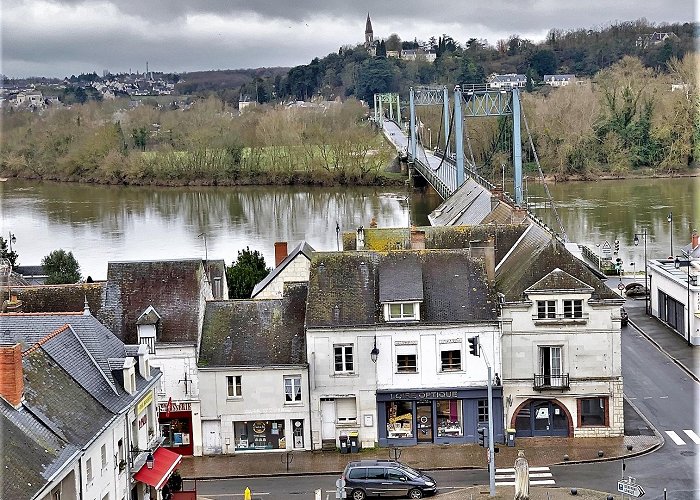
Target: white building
(559, 80)
(254, 376)
(292, 267)
(387, 343)
(506, 81)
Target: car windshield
(413, 473)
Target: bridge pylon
(393, 106)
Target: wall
(263, 396)
(664, 282)
(296, 270)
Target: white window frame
(235, 382)
(556, 363)
(576, 309)
(345, 349)
(295, 392)
(414, 315)
(550, 309)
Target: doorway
(424, 422)
(542, 418)
(328, 419)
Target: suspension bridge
(448, 171)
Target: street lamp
(669, 219)
(374, 354)
(11, 240)
(430, 139)
(678, 263)
(646, 280)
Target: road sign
(606, 249)
(621, 286)
(629, 488)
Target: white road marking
(539, 476)
(532, 483)
(535, 474)
(532, 469)
(648, 397)
(663, 397)
(691, 434)
(676, 438)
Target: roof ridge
(48, 337)
(94, 361)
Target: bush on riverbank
(207, 144)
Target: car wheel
(415, 494)
(358, 495)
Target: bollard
(246, 494)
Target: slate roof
(30, 270)
(469, 205)
(302, 248)
(400, 278)
(255, 332)
(559, 281)
(440, 237)
(60, 298)
(173, 287)
(535, 256)
(344, 288)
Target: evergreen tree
(61, 267)
(248, 270)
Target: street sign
(621, 286)
(606, 249)
(629, 488)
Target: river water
(110, 223)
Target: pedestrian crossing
(690, 436)
(539, 476)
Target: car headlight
(429, 483)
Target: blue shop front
(441, 416)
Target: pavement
(639, 434)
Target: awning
(164, 463)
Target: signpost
(630, 487)
(606, 249)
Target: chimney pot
(11, 378)
(280, 252)
(694, 240)
(417, 239)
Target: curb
(679, 363)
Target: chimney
(11, 379)
(417, 239)
(694, 240)
(280, 252)
(144, 362)
(360, 239)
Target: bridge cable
(546, 189)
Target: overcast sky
(60, 38)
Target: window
(357, 473)
(406, 363)
(234, 387)
(483, 411)
(88, 470)
(551, 367)
(451, 360)
(103, 455)
(292, 389)
(375, 473)
(573, 308)
(546, 309)
(343, 358)
(449, 417)
(395, 475)
(346, 410)
(399, 419)
(403, 311)
(592, 411)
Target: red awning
(164, 463)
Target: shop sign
(147, 399)
(426, 395)
(171, 406)
(259, 428)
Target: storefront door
(424, 422)
(542, 418)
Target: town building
(506, 81)
(254, 376)
(651, 39)
(77, 413)
(289, 267)
(387, 343)
(559, 80)
(418, 55)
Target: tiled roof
(344, 288)
(173, 287)
(302, 248)
(255, 332)
(534, 257)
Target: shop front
(443, 416)
(175, 420)
(257, 435)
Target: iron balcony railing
(542, 382)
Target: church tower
(369, 34)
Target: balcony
(545, 382)
(560, 319)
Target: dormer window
(573, 308)
(546, 309)
(402, 311)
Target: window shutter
(346, 410)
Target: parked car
(624, 318)
(385, 478)
(636, 290)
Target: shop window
(235, 386)
(403, 311)
(449, 418)
(298, 433)
(292, 389)
(592, 411)
(176, 432)
(346, 410)
(343, 358)
(399, 419)
(406, 363)
(482, 408)
(260, 435)
(573, 308)
(451, 360)
(546, 309)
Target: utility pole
(475, 350)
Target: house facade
(506, 81)
(254, 376)
(387, 338)
(289, 267)
(559, 80)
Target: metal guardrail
(542, 382)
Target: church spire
(369, 34)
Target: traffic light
(474, 346)
(617, 246)
(618, 265)
(482, 437)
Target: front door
(328, 419)
(542, 418)
(424, 422)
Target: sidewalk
(539, 452)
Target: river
(111, 223)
